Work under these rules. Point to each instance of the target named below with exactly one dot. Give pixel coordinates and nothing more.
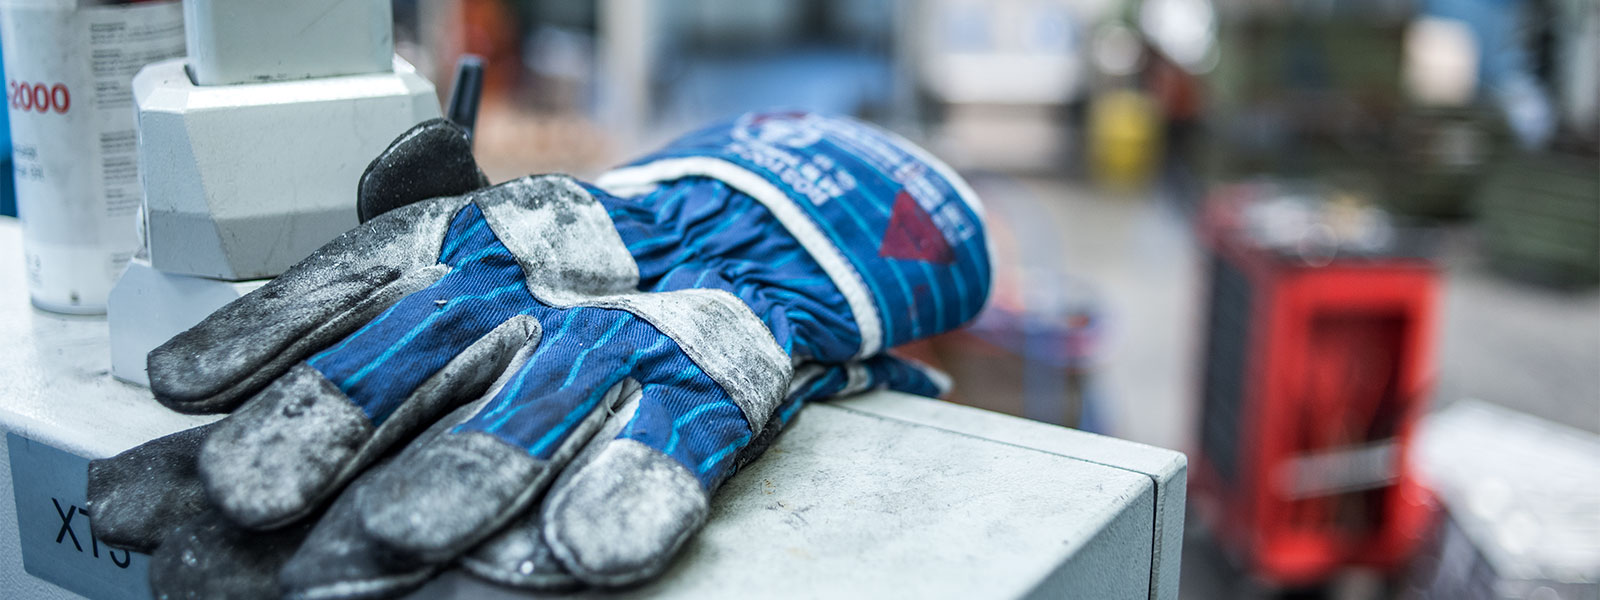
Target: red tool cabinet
(1317, 365)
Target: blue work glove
(516, 309)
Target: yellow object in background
(1124, 139)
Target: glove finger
(518, 556)
(431, 160)
(620, 516)
(137, 496)
(339, 560)
(248, 343)
(298, 441)
(209, 557)
(460, 487)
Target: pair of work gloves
(542, 381)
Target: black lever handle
(466, 93)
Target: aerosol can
(68, 66)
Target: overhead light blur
(1117, 49)
(1441, 62)
(1183, 30)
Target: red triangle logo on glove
(912, 235)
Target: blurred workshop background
(1345, 253)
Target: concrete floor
(1138, 258)
(1529, 348)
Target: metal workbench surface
(880, 494)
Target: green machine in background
(1332, 96)
(1539, 214)
(1304, 96)
(1320, 96)
(1442, 160)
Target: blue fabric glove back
(895, 230)
(559, 385)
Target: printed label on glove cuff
(53, 522)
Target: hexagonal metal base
(242, 181)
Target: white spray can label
(69, 64)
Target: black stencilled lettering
(66, 524)
(69, 532)
(127, 558)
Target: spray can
(68, 66)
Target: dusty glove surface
(517, 310)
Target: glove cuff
(897, 231)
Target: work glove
(510, 320)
